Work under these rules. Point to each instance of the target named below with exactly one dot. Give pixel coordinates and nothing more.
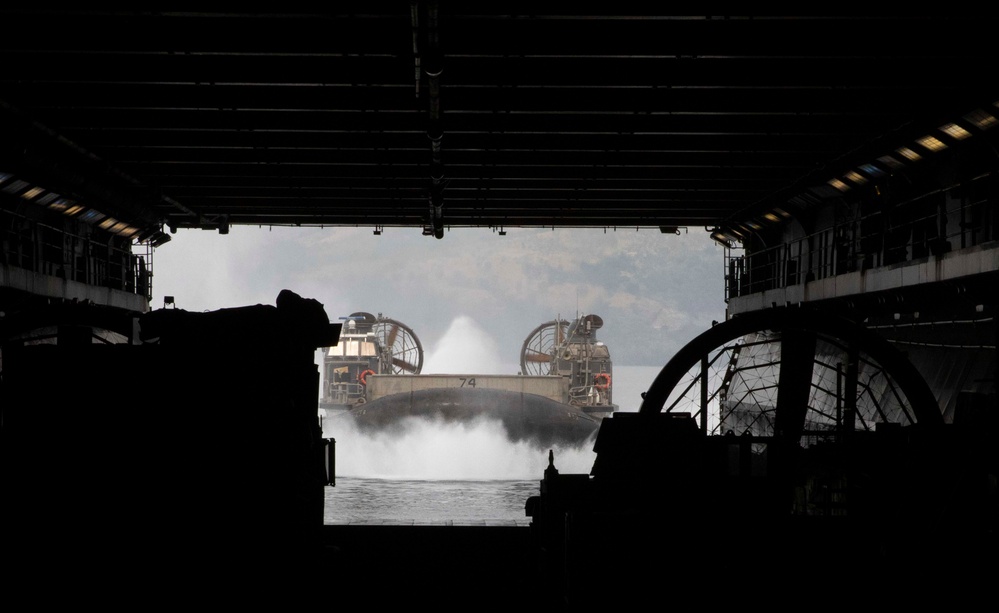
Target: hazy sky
(473, 297)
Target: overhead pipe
(414, 14)
(435, 132)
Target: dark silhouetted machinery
(788, 452)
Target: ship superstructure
(368, 345)
(570, 349)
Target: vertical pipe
(839, 400)
(850, 391)
(433, 68)
(414, 13)
(704, 394)
(330, 448)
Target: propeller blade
(538, 357)
(404, 365)
(392, 334)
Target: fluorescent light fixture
(781, 212)
(15, 186)
(955, 131)
(872, 170)
(91, 216)
(127, 231)
(839, 184)
(31, 193)
(158, 239)
(932, 143)
(719, 237)
(74, 209)
(754, 225)
(909, 154)
(981, 119)
(771, 217)
(107, 223)
(47, 198)
(890, 162)
(856, 177)
(60, 204)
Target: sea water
(441, 472)
(428, 501)
(435, 472)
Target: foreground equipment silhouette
(143, 455)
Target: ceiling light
(159, 238)
(15, 186)
(91, 216)
(890, 162)
(909, 154)
(31, 193)
(981, 119)
(856, 177)
(47, 198)
(932, 143)
(147, 233)
(872, 170)
(771, 217)
(719, 237)
(107, 223)
(74, 209)
(955, 131)
(838, 184)
(60, 204)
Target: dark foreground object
(126, 470)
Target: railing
(343, 393)
(929, 226)
(587, 396)
(45, 249)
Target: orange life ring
(602, 376)
(364, 376)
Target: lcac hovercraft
(373, 377)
